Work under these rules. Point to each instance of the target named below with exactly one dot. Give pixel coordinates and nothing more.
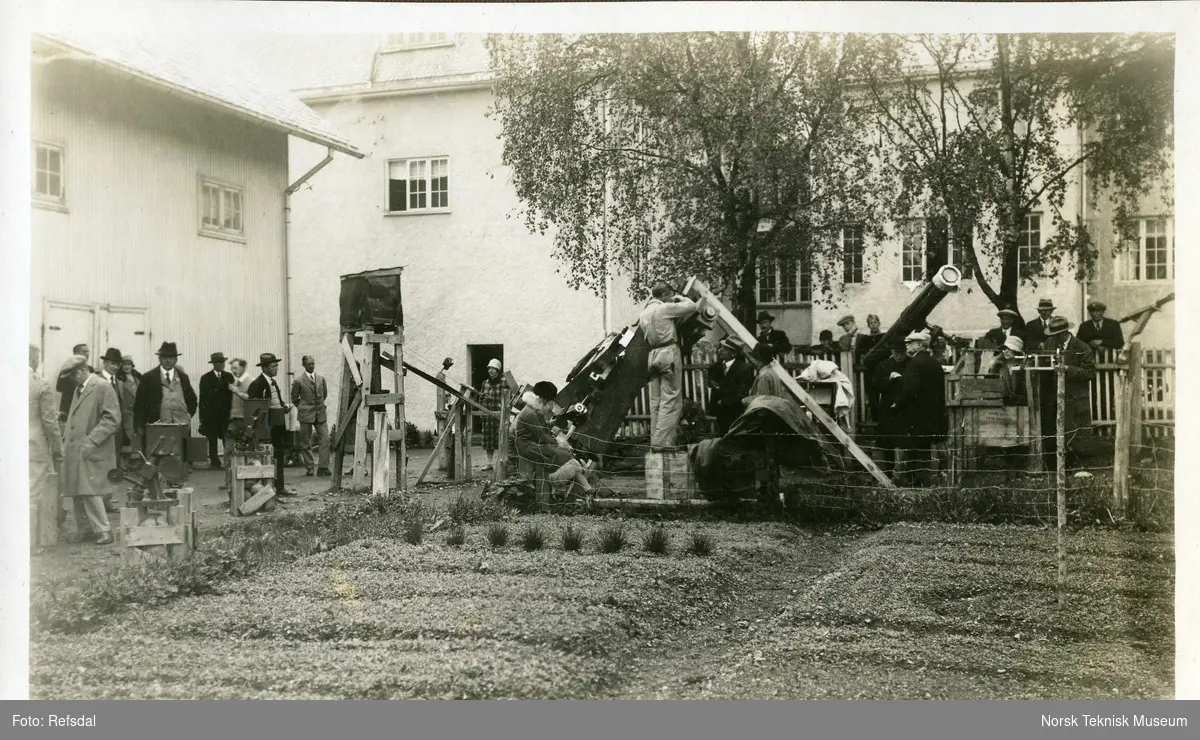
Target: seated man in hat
(1099, 332)
(729, 381)
(165, 393)
(772, 336)
(1009, 327)
(1035, 331)
(533, 440)
(216, 403)
(266, 387)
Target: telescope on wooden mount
(945, 281)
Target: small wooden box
(669, 476)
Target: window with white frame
(852, 255)
(1152, 257)
(418, 185)
(220, 209)
(641, 254)
(48, 183)
(912, 250)
(1029, 246)
(788, 281)
(415, 40)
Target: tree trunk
(746, 301)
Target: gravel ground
(921, 611)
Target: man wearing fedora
(1010, 322)
(309, 392)
(1099, 332)
(165, 394)
(920, 406)
(768, 334)
(1077, 417)
(266, 387)
(1035, 331)
(90, 448)
(216, 401)
(65, 387)
(729, 381)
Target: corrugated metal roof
(207, 68)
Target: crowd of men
(103, 414)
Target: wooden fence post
(501, 466)
(1137, 392)
(1060, 375)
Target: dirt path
(685, 664)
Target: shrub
(456, 536)
(414, 531)
(656, 540)
(463, 510)
(532, 538)
(612, 538)
(572, 539)
(700, 544)
(497, 535)
(412, 435)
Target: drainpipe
(287, 275)
(1083, 284)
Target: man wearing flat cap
(920, 406)
(768, 334)
(90, 448)
(1099, 332)
(1010, 322)
(309, 393)
(729, 381)
(165, 394)
(266, 387)
(849, 338)
(1077, 418)
(216, 402)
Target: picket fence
(1158, 375)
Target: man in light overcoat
(309, 393)
(45, 436)
(90, 448)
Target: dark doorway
(479, 356)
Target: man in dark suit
(768, 334)
(266, 387)
(920, 406)
(165, 393)
(1077, 417)
(1010, 326)
(1099, 332)
(66, 386)
(1035, 331)
(216, 400)
(729, 381)
(882, 392)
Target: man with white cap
(489, 395)
(309, 393)
(90, 448)
(920, 406)
(1099, 332)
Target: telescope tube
(913, 317)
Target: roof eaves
(299, 132)
(422, 86)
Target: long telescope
(915, 315)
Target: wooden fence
(1158, 375)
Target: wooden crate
(669, 476)
(974, 390)
(245, 470)
(158, 530)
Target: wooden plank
(460, 419)
(696, 289)
(1121, 446)
(255, 472)
(155, 534)
(176, 517)
(384, 399)
(351, 362)
(345, 415)
(468, 427)
(380, 475)
(361, 473)
(500, 467)
(1136, 396)
(389, 362)
(394, 435)
(396, 337)
(401, 462)
(440, 443)
(258, 500)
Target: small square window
(48, 185)
(221, 209)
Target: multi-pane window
(48, 173)
(788, 281)
(414, 40)
(912, 250)
(418, 185)
(220, 209)
(641, 254)
(960, 249)
(1152, 257)
(1029, 246)
(852, 254)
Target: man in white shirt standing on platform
(665, 363)
(266, 387)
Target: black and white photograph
(417, 356)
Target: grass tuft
(456, 536)
(700, 544)
(532, 538)
(414, 531)
(656, 540)
(572, 539)
(612, 538)
(497, 535)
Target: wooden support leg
(345, 392)
(468, 427)
(441, 443)
(361, 471)
(500, 467)
(380, 476)
(456, 422)
(401, 465)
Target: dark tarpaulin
(372, 299)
